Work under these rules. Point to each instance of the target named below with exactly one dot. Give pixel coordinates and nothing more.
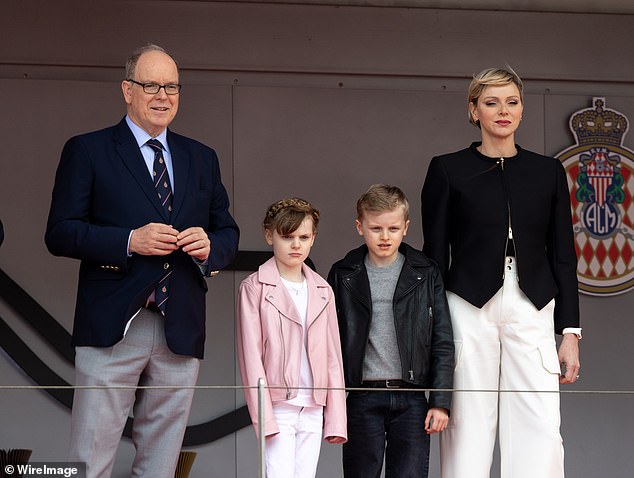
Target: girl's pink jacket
(269, 340)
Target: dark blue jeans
(386, 423)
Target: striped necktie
(161, 177)
(164, 192)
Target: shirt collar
(142, 136)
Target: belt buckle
(395, 385)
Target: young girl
(287, 333)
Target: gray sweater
(382, 359)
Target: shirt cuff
(202, 265)
(129, 239)
(573, 330)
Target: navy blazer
(102, 191)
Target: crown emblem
(599, 125)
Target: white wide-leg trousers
(508, 370)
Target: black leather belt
(386, 384)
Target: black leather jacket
(422, 321)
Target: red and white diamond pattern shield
(605, 265)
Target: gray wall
(317, 101)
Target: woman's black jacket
(467, 201)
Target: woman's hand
(569, 358)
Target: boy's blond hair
(286, 215)
(381, 198)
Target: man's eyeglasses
(154, 88)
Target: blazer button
(166, 265)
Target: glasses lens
(172, 89)
(151, 88)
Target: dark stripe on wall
(32, 313)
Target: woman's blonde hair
(286, 215)
(491, 77)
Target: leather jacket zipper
(409, 347)
(410, 372)
(288, 390)
(431, 323)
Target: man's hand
(154, 240)
(569, 358)
(436, 421)
(195, 242)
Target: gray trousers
(141, 358)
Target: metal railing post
(262, 460)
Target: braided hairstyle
(286, 215)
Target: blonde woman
(497, 220)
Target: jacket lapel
(317, 297)
(358, 284)
(276, 293)
(181, 166)
(409, 279)
(279, 297)
(128, 151)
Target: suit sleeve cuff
(202, 265)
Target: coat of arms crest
(600, 174)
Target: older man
(145, 211)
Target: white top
(299, 293)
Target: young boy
(395, 334)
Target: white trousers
(142, 357)
(507, 348)
(294, 451)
